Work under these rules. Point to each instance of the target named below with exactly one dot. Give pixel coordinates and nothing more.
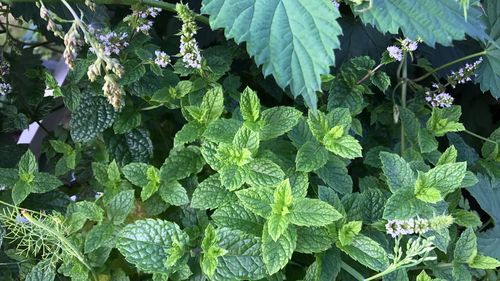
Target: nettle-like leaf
(293, 40)
(147, 243)
(489, 71)
(435, 21)
(211, 251)
(438, 182)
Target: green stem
(152, 3)
(404, 89)
(67, 244)
(369, 74)
(354, 273)
(449, 64)
(481, 137)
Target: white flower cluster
(5, 89)
(464, 74)
(336, 3)
(409, 45)
(406, 45)
(142, 21)
(397, 228)
(395, 52)
(189, 50)
(407, 227)
(162, 59)
(112, 42)
(442, 99)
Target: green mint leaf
(312, 212)
(146, 243)
(300, 134)
(212, 105)
(397, 171)
(299, 183)
(233, 177)
(235, 216)
(119, 207)
(445, 120)
(313, 239)
(367, 252)
(20, 191)
(8, 177)
(153, 176)
(264, 172)
(257, 199)
(298, 64)
(425, 191)
(423, 276)
(349, 231)
(278, 121)
(211, 251)
(78, 213)
(181, 163)
(278, 221)
(404, 205)
(345, 146)
(489, 70)
(466, 247)
(100, 235)
(44, 182)
(127, 121)
(136, 173)
(381, 80)
(188, 133)
(484, 262)
(173, 193)
(230, 155)
(318, 124)
(211, 194)
(311, 156)
(222, 130)
(326, 266)
(250, 105)
(426, 141)
(447, 177)
(243, 260)
(466, 218)
(335, 175)
(449, 156)
(340, 117)
(27, 164)
(42, 271)
(276, 254)
(246, 138)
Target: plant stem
(354, 273)
(404, 89)
(369, 74)
(67, 244)
(480, 137)
(152, 3)
(482, 53)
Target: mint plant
(250, 140)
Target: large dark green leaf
(292, 39)
(435, 21)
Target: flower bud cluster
(72, 43)
(111, 42)
(464, 74)
(5, 87)
(49, 16)
(113, 91)
(189, 50)
(397, 228)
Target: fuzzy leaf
(120, 206)
(367, 252)
(257, 199)
(293, 40)
(92, 117)
(173, 193)
(235, 216)
(211, 194)
(278, 120)
(397, 171)
(264, 172)
(466, 247)
(311, 156)
(424, 20)
(250, 105)
(484, 262)
(313, 239)
(181, 163)
(312, 212)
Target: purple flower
(395, 53)
(5, 89)
(162, 59)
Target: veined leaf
(368, 252)
(293, 39)
(311, 156)
(435, 21)
(489, 70)
(235, 216)
(211, 194)
(146, 243)
(257, 199)
(312, 212)
(276, 254)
